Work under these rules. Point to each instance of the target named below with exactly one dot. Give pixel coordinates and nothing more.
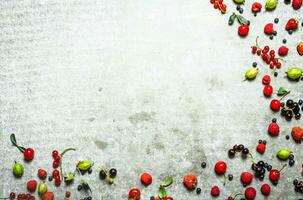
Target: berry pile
(268, 55)
(291, 109)
(218, 4)
(21, 196)
(260, 169)
(238, 149)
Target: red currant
(55, 153)
(56, 173)
(12, 195)
(57, 158)
(55, 164)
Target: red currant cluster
(21, 196)
(268, 56)
(56, 163)
(218, 4)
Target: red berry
(57, 181)
(278, 65)
(243, 30)
(220, 167)
(215, 191)
(272, 66)
(55, 153)
(250, 193)
(246, 178)
(261, 148)
(266, 48)
(266, 80)
(42, 174)
(56, 173)
(256, 7)
(273, 129)
(55, 164)
(29, 154)
(28, 196)
(31, 185)
(254, 49)
(146, 179)
(259, 52)
(57, 158)
(269, 29)
(265, 189)
(134, 194)
(168, 198)
(283, 50)
(274, 175)
(296, 4)
(67, 194)
(12, 195)
(292, 24)
(275, 105)
(190, 181)
(267, 91)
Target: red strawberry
(273, 129)
(215, 191)
(269, 29)
(297, 134)
(31, 185)
(42, 174)
(190, 181)
(146, 179)
(256, 7)
(283, 50)
(246, 178)
(265, 189)
(292, 24)
(250, 193)
(296, 4)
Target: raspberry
(273, 129)
(265, 189)
(215, 191)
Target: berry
(297, 134)
(55, 164)
(198, 190)
(146, 179)
(67, 194)
(276, 20)
(246, 178)
(230, 177)
(296, 4)
(57, 181)
(266, 80)
(265, 189)
(267, 91)
(112, 173)
(29, 154)
(134, 194)
(250, 193)
(31, 185)
(168, 198)
(291, 25)
(269, 29)
(12, 195)
(275, 105)
(220, 167)
(80, 187)
(102, 174)
(300, 48)
(283, 51)
(254, 49)
(55, 153)
(245, 151)
(256, 7)
(56, 173)
(215, 191)
(190, 181)
(231, 153)
(57, 158)
(284, 41)
(42, 174)
(261, 148)
(243, 30)
(273, 129)
(203, 164)
(274, 175)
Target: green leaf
(282, 91)
(231, 19)
(162, 193)
(168, 182)
(242, 20)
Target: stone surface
(140, 86)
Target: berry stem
(284, 95)
(283, 167)
(61, 157)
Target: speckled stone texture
(141, 86)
